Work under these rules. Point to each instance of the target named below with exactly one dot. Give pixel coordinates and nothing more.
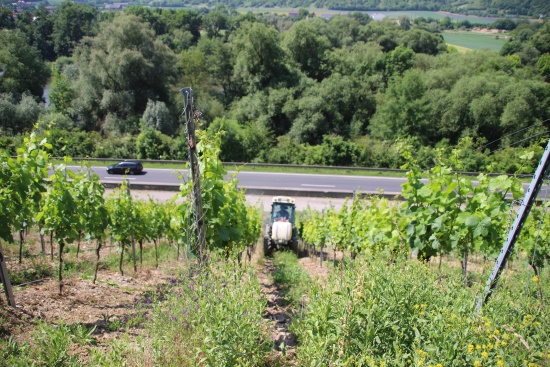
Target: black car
(126, 167)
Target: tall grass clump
(52, 345)
(210, 316)
(291, 278)
(403, 313)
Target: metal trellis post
(190, 117)
(515, 230)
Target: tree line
(285, 90)
(472, 7)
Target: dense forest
(305, 90)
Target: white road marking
(317, 185)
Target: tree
(510, 48)
(193, 65)
(219, 62)
(150, 16)
(446, 23)
(403, 112)
(338, 152)
(214, 22)
(42, 33)
(72, 21)
(398, 61)
(18, 116)
(505, 24)
(541, 39)
(259, 58)
(421, 41)
(231, 146)
(308, 48)
(120, 70)
(61, 92)
(329, 107)
(543, 65)
(23, 68)
(342, 30)
(151, 145)
(184, 21)
(6, 18)
(159, 117)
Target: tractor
(281, 231)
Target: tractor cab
(280, 231)
(283, 209)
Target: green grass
(377, 312)
(475, 41)
(291, 278)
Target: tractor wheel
(294, 246)
(268, 247)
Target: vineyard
(400, 289)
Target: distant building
(293, 13)
(115, 6)
(327, 16)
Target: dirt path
(277, 316)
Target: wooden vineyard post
(190, 116)
(5, 279)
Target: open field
(475, 40)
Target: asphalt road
(262, 180)
(270, 183)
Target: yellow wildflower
(485, 354)
(477, 364)
(470, 348)
(503, 343)
(500, 363)
(535, 279)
